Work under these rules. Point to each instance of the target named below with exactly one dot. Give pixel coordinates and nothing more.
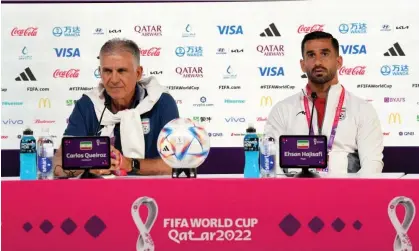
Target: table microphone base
(305, 173)
(88, 175)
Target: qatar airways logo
(271, 50)
(355, 71)
(308, 29)
(72, 73)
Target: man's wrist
(128, 165)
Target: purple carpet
(231, 160)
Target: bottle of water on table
(45, 155)
(251, 153)
(27, 156)
(267, 157)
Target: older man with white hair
(134, 112)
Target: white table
(235, 176)
(411, 176)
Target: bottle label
(251, 144)
(267, 162)
(44, 164)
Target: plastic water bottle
(28, 156)
(45, 156)
(251, 153)
(267, 157)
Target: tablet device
(86, 152)
(301, 151)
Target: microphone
(314, 97)
(101, 117)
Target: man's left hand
(120, 161)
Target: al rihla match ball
(183, 143)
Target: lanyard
(335, 120)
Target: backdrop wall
(226, 64)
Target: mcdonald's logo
(393, 118)
(265, 100)
(44, 103)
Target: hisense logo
(234, 101)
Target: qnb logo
(149, 30)
(395, 50)
(354, 49)
(271, 31)
(266, 101)
(152, 52)
(230, 29)
(308, 29)
(190, 51)
(28, 32)
(394, 118)
(190, 72)
(394, 100)
(406, 133)
(356, 71)
(271, 71)
(353, 28)
(67, 52)
(215, 134)
(271, 50)
(66, 31)
(394, 70)
(72, 73)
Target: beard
(320, 78)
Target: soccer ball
(183, 144)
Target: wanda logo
(72, 73)
(152, 52)
(358, 70)
(308, 29)
(28, 32)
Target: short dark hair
(121, 44)
(320, 35)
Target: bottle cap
(28, 131)
(251, 128)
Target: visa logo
(230, 29)
(12, 122)
(271, 71)
(67, 52)
(235, 119)
(353, 49)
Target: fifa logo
(393, 118)
(44, 103)
(265, 100)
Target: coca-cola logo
(308, 29)
(72, 73)
(152, 52)
(261, 119)
(4, 137)
(43, 121)
(28, 32)
(357, 70)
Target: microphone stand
(305, 173)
